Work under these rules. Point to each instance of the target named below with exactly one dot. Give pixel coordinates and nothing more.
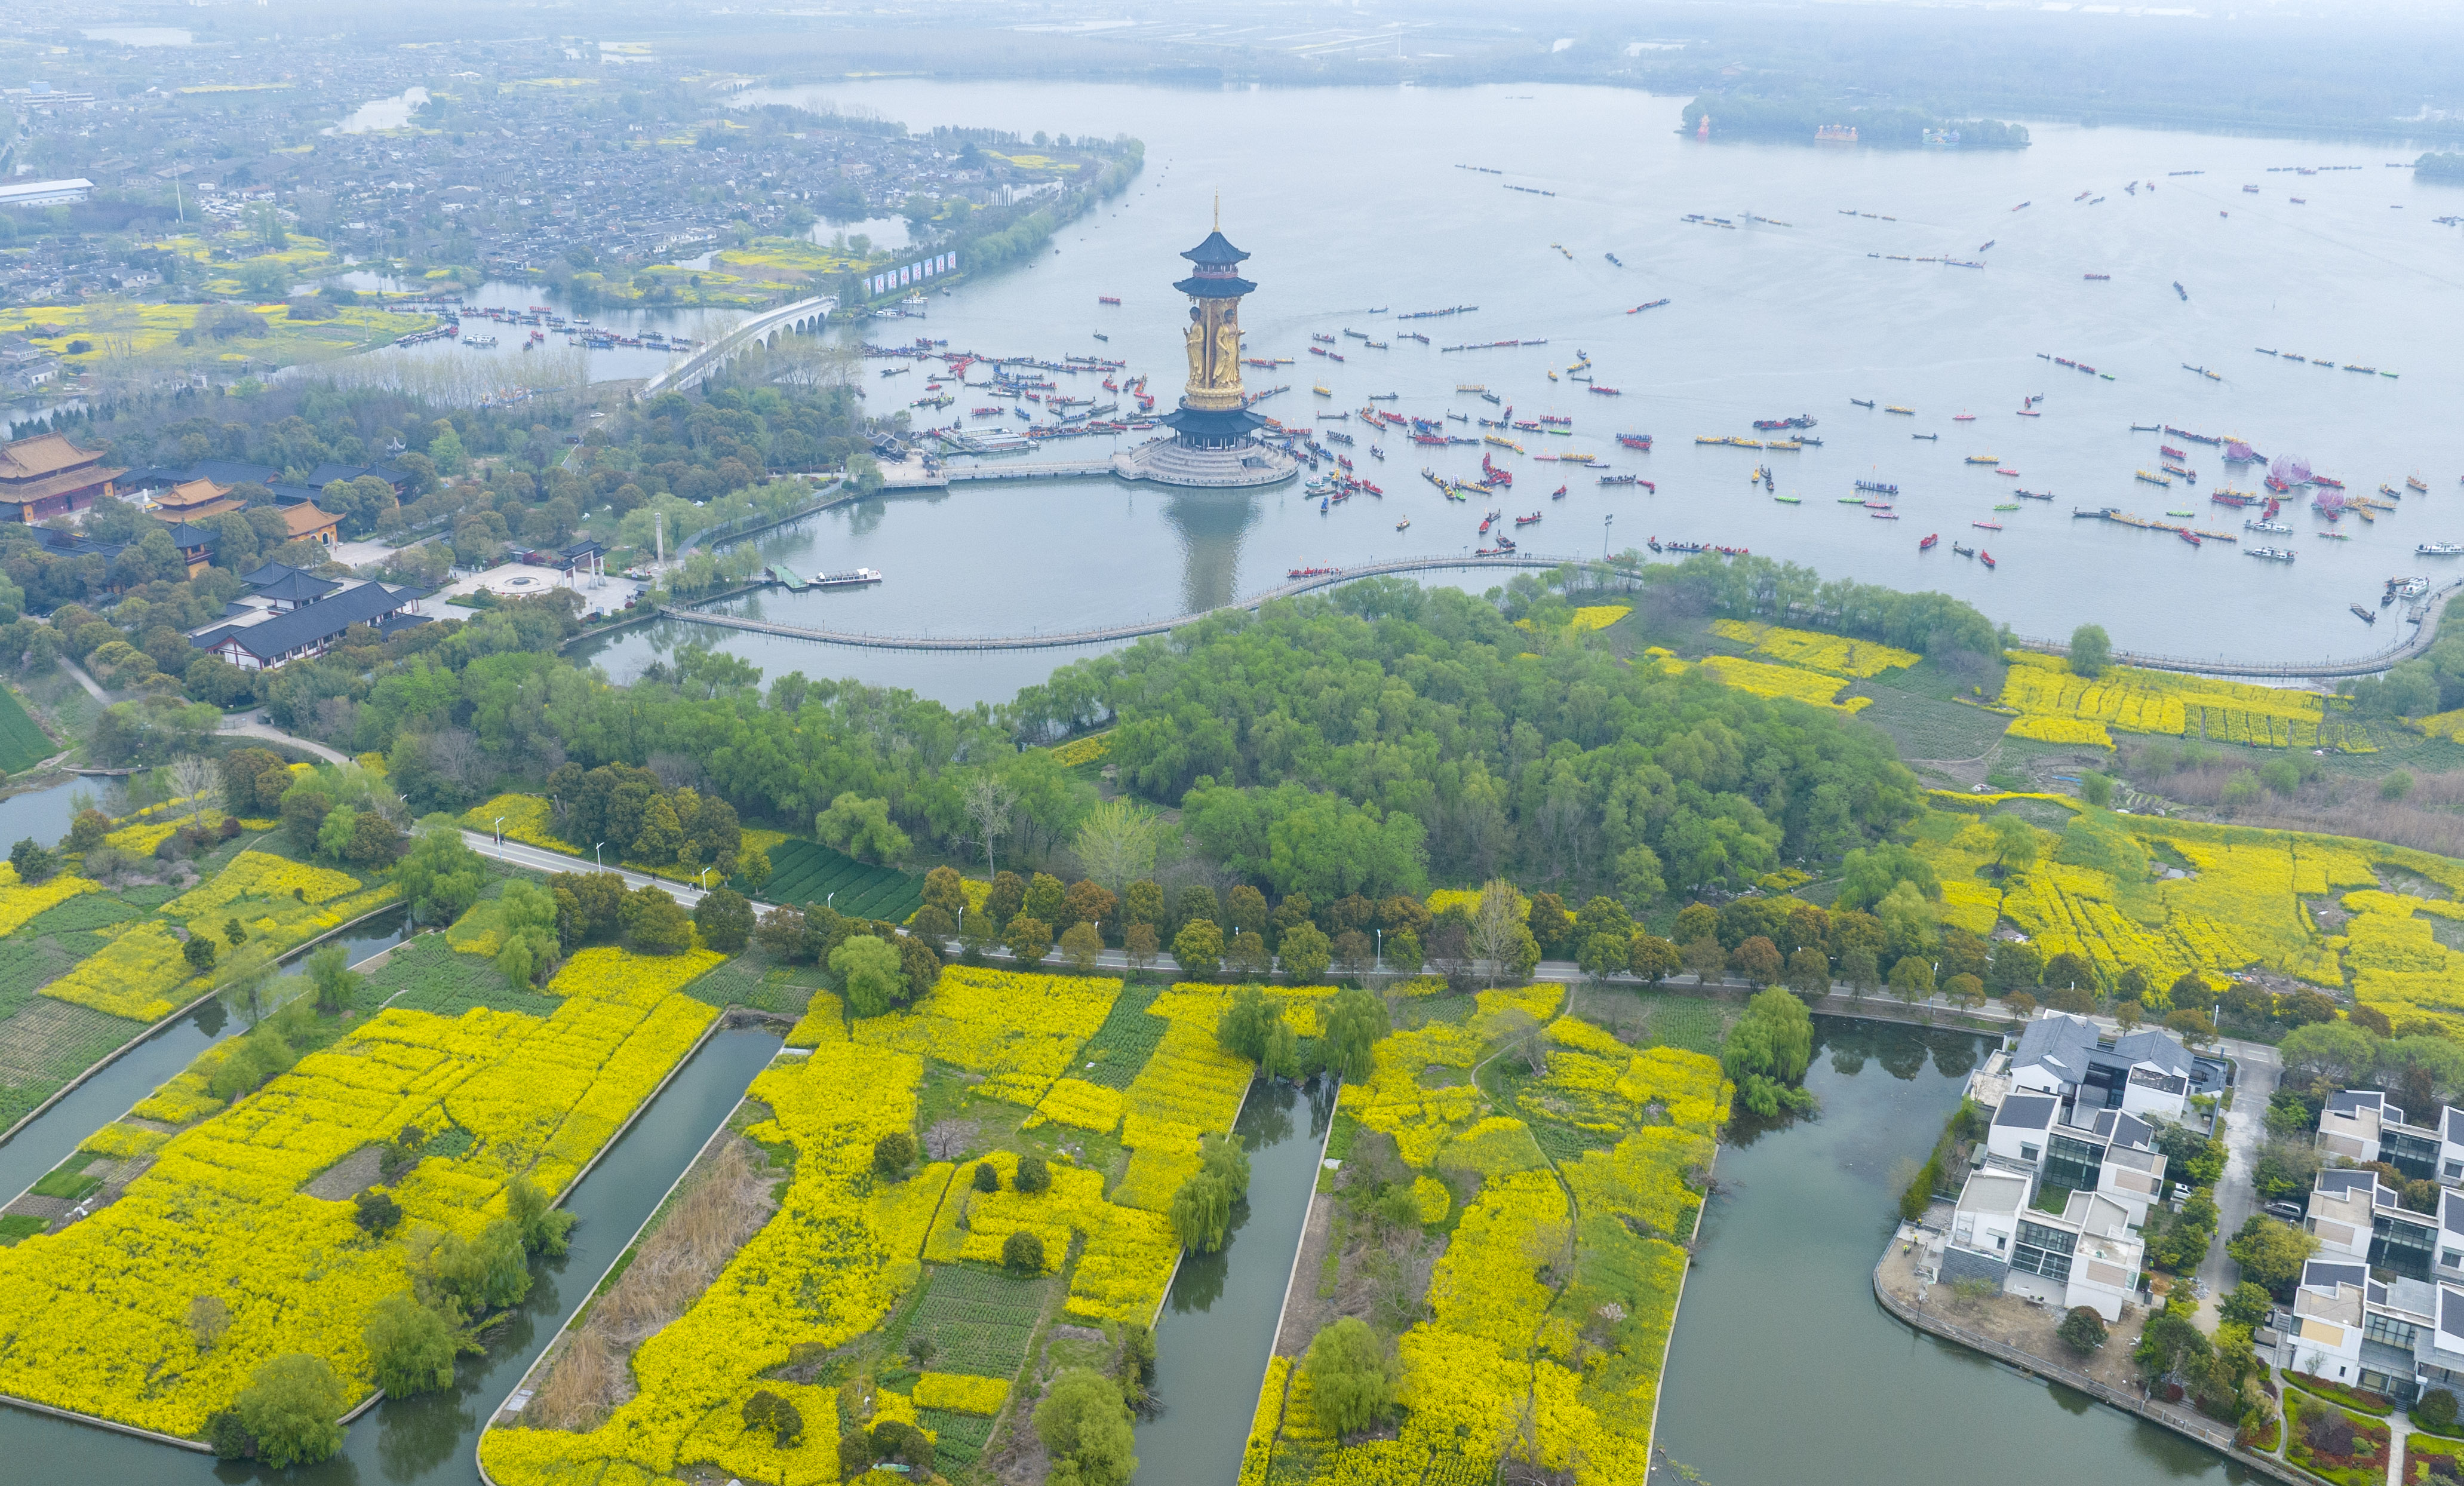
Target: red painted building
(47, 476)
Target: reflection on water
(1210, 523)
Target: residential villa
(2068, 1171)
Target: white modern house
(2362, 1125)
(2086, 1255)
(2145, 1072)
(2399, 1337)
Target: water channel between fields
(425, 1441)
(1218, 1327)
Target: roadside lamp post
(500, 838)
(595, 857)
(1604, 535)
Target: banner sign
(912, 273)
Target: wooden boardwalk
(2423, 611)
(1111, 633)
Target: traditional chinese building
(47, 476)
(1214, 441)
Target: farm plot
(807, 873)
(980, 1321)
(23, 743)
(46, 1044)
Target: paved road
(532, 858)
(92, 688)
(250, 728)
(2245, 1126)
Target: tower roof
(1216, 252)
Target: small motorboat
(1404, 524)
(1927, 544)
(1986, 558)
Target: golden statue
(1214, 355)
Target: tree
(1350, 1377)
(868, 973)
(1246, 955)
(1248, 1023)
(1116, 842)
(1198, 948)
(725, 917)
(770, 1415)
(1034, 1175)
(1005, 898)
(1768, 1049)
(862, 828)
(654, 922)
(329, 974)
(2248, 1305)
(208, 1318)
(376, 1212)
(1201, 1213)
(1138, 946)
(199, 952)
(1758, 959)
(2082, 1330)
(1653, 957)
(410, 1349)
(2271, 1253)
(1023, 1253)
(893, 1153)
(989, 804)
(1086, 1430)
(1030, 938)
(1808, 974)
(2435, 1409)
(1549, 923)
(1966, 991)
(544, 1227)
(1306, 953)
(1082, 946)
(1602, 956)
(33, 861)
(1047, 897)
(1912, 977)
(2091, 651)
(1497, 931)
(988, 1177)
(1353, 1023)
(290, 1405)
(2015, 843)
(1705, 959)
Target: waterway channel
(1785, 1368)
(427, 1440)
(1219, 1322)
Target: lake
(1764, 321)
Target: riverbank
(2020, 1334)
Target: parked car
(2286, 1212)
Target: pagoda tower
(1214, 440)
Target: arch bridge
(801, 316)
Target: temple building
(47, 476)
(1214, 441)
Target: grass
(959, 1439)
(1127, 1039)
(23, 743)
(429, 975)
(83, 913)
(749, 980)
(1927, 728)
(24, 965)
(18, 1227)
(69, 1180)
(46, 1043)
(2369, 1434)
(978, 1321)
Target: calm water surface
(1350, 201)
(1219, 1324)
(1785, 1368)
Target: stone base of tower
(1247, 465)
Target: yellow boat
(1783, 443)
(2153, 479)
(1323, 391)
(1503, 443)
(1553, 376)
(1896, 408)
(1709, 438)
(1469, 387)
(1985, 458)
(1578, 458)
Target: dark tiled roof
(2451, 1211)
(2450, 1311)
(311, 624)
(326, 474)
(2352, 1101)
(298, 587)
(2026, 1112)
(1216, 252)
(231, 472)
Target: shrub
(376, 1212)
(2082, 1330)
(199, 952)
(987, 1178)
(774, 1416)
(897, 1441)
(1085, 1428)
(1023, 1253)
(1034, 1174)
(2436, 1409)
(893, 1153)
(226, 1433)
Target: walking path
(250, 728)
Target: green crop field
(22, 742)
(431, 975)
(807, 873)
(980, 1321)
(1126, 1040)
(47, 1043)
(87, 910)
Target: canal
(1219, 1323)
(427, 1440)
(1785, 1368)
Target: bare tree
(1493, 926)
(993, 807)
(195, 779)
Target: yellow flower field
(135, 975)
(1081, 751)
(1813, 650)
(960, 1393)
(2177, 705)
(1020, 1030)
(1812, 687)
(20, 902)
(2047, 728)
(99, 1308)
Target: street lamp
(704, 879)
(500, 838)
(595, 857)
(1604, 535)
